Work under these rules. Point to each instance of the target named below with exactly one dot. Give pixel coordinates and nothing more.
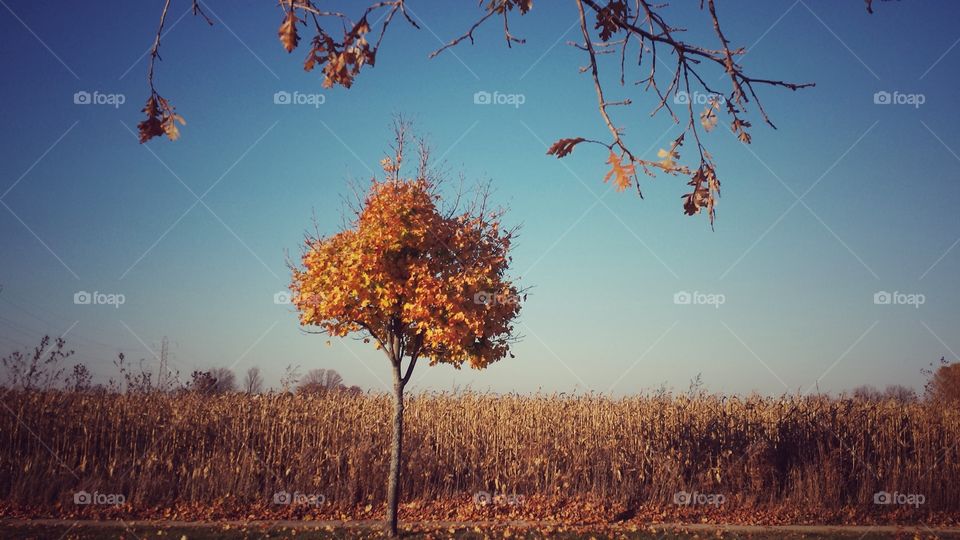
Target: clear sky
(87, 208)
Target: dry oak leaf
(708, 118)
(288, 31)
(563, 147)
(609, 17)
(161, 120)
(667, 158)
(623, 173)
(170, 126)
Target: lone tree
(416, 279)
(253, 381)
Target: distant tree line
(44, 367)
(896, 392)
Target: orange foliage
(420, 282)
(288, 31)
(161, 119)
(622, 173)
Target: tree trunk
(393, 487)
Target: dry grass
(163, 450)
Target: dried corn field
(162, 450)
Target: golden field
(237, 451)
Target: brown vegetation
(943, 386)
(807, 456)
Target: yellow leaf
(622, 173)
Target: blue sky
(87, 208)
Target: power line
(73, 336)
